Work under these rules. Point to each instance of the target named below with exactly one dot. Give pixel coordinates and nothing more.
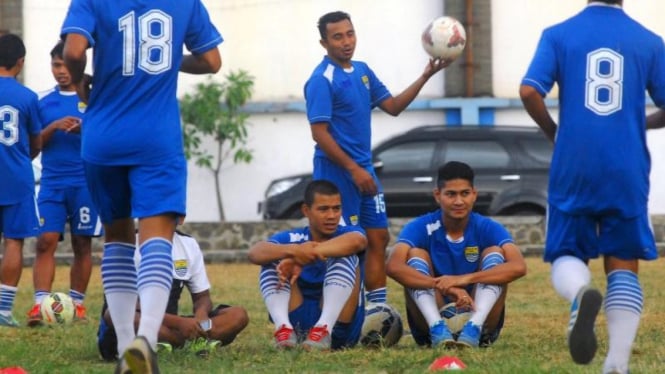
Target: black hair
(332, 17)
(58, 49)
(322, 187)
(12, 49)
(454, 170)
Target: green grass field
(532, 341)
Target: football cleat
(318, 339)
(140, 357)
(582, 342)
(8, 321)
(469, 336)
(441, 335)
(35, 317)
(285, 338)
(80, 314)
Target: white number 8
(155, 34)
(598, 81)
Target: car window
(538, 150)
(412, 156)
(478, 154)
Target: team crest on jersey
(471, 254)
(82, 106)
(180, 267)
(354, 220)
(365, 81)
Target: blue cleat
(8, 321)
(582, 342)
(469, 336)
(441, 335)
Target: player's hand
(446, 282)
(190, 328)
(288, 271)
(306, 253)
(462, 298)
(84, 87)
(70, 124)
(364, 181)
(435, 65)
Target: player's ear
(304, 209)
(435, 193)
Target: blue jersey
(61, 155)
(454, 257)
(19, 118)
(133, 114)
(603, 62)
(311, 279)
(344, 98)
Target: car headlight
(282, 186)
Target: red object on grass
(13, 370)
(447, 363)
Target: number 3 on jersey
(155, 34)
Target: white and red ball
(444, 38)
(58, 308)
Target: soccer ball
(444, 38)
(455, 317)
(383, 326)
(58, 307)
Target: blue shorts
(58, 206)
(138, 191)
(588, 236)
(344, 335)
(20, 220)
(487, 337)
(367, 210)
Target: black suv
(511, 166)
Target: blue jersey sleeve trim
(207, 46)
(80, 31)
(535, 84)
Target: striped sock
(337, 288)
(41, 295)
(275, 297)
(7, 296)
(424, 299)
(379, 295)
(486, 294)
(623, 308)
(78, 297)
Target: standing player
(132, 145)
(455, 255)
(63, 196)
(20, 142)
(599, 177)
(340, 96)
(310, 276)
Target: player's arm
(656, 120)
(327, 143)
(397, 269)
(75, 59)
(534, 103)
(265, 252)
(67, 124)
(395, 105)
(202, 305)
(208, 62)
(35, 145)
(342, 245)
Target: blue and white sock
(569, 275)
(78, 297)
(486, 294)
(424, 299)
(119, 282)
(40, 295)
(378, 295)
(155, 277)
(275, 296)
(623, 308)
(337, 288)
(7, 296)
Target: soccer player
(132, 145)
(64, 195)
(20, 142)
(213, 326)
(340, 96)
(599, 177)
(455, 255)
(310, 276)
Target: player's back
(133, 112)
(18, 118)
(605, 64)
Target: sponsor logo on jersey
(180, 267)
(471, 254)
(365, 81)
(81, 226)
(432, 227)
(296, 237)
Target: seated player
(310, 276)
(455, 255)
(218, 326)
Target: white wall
(277, 42)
